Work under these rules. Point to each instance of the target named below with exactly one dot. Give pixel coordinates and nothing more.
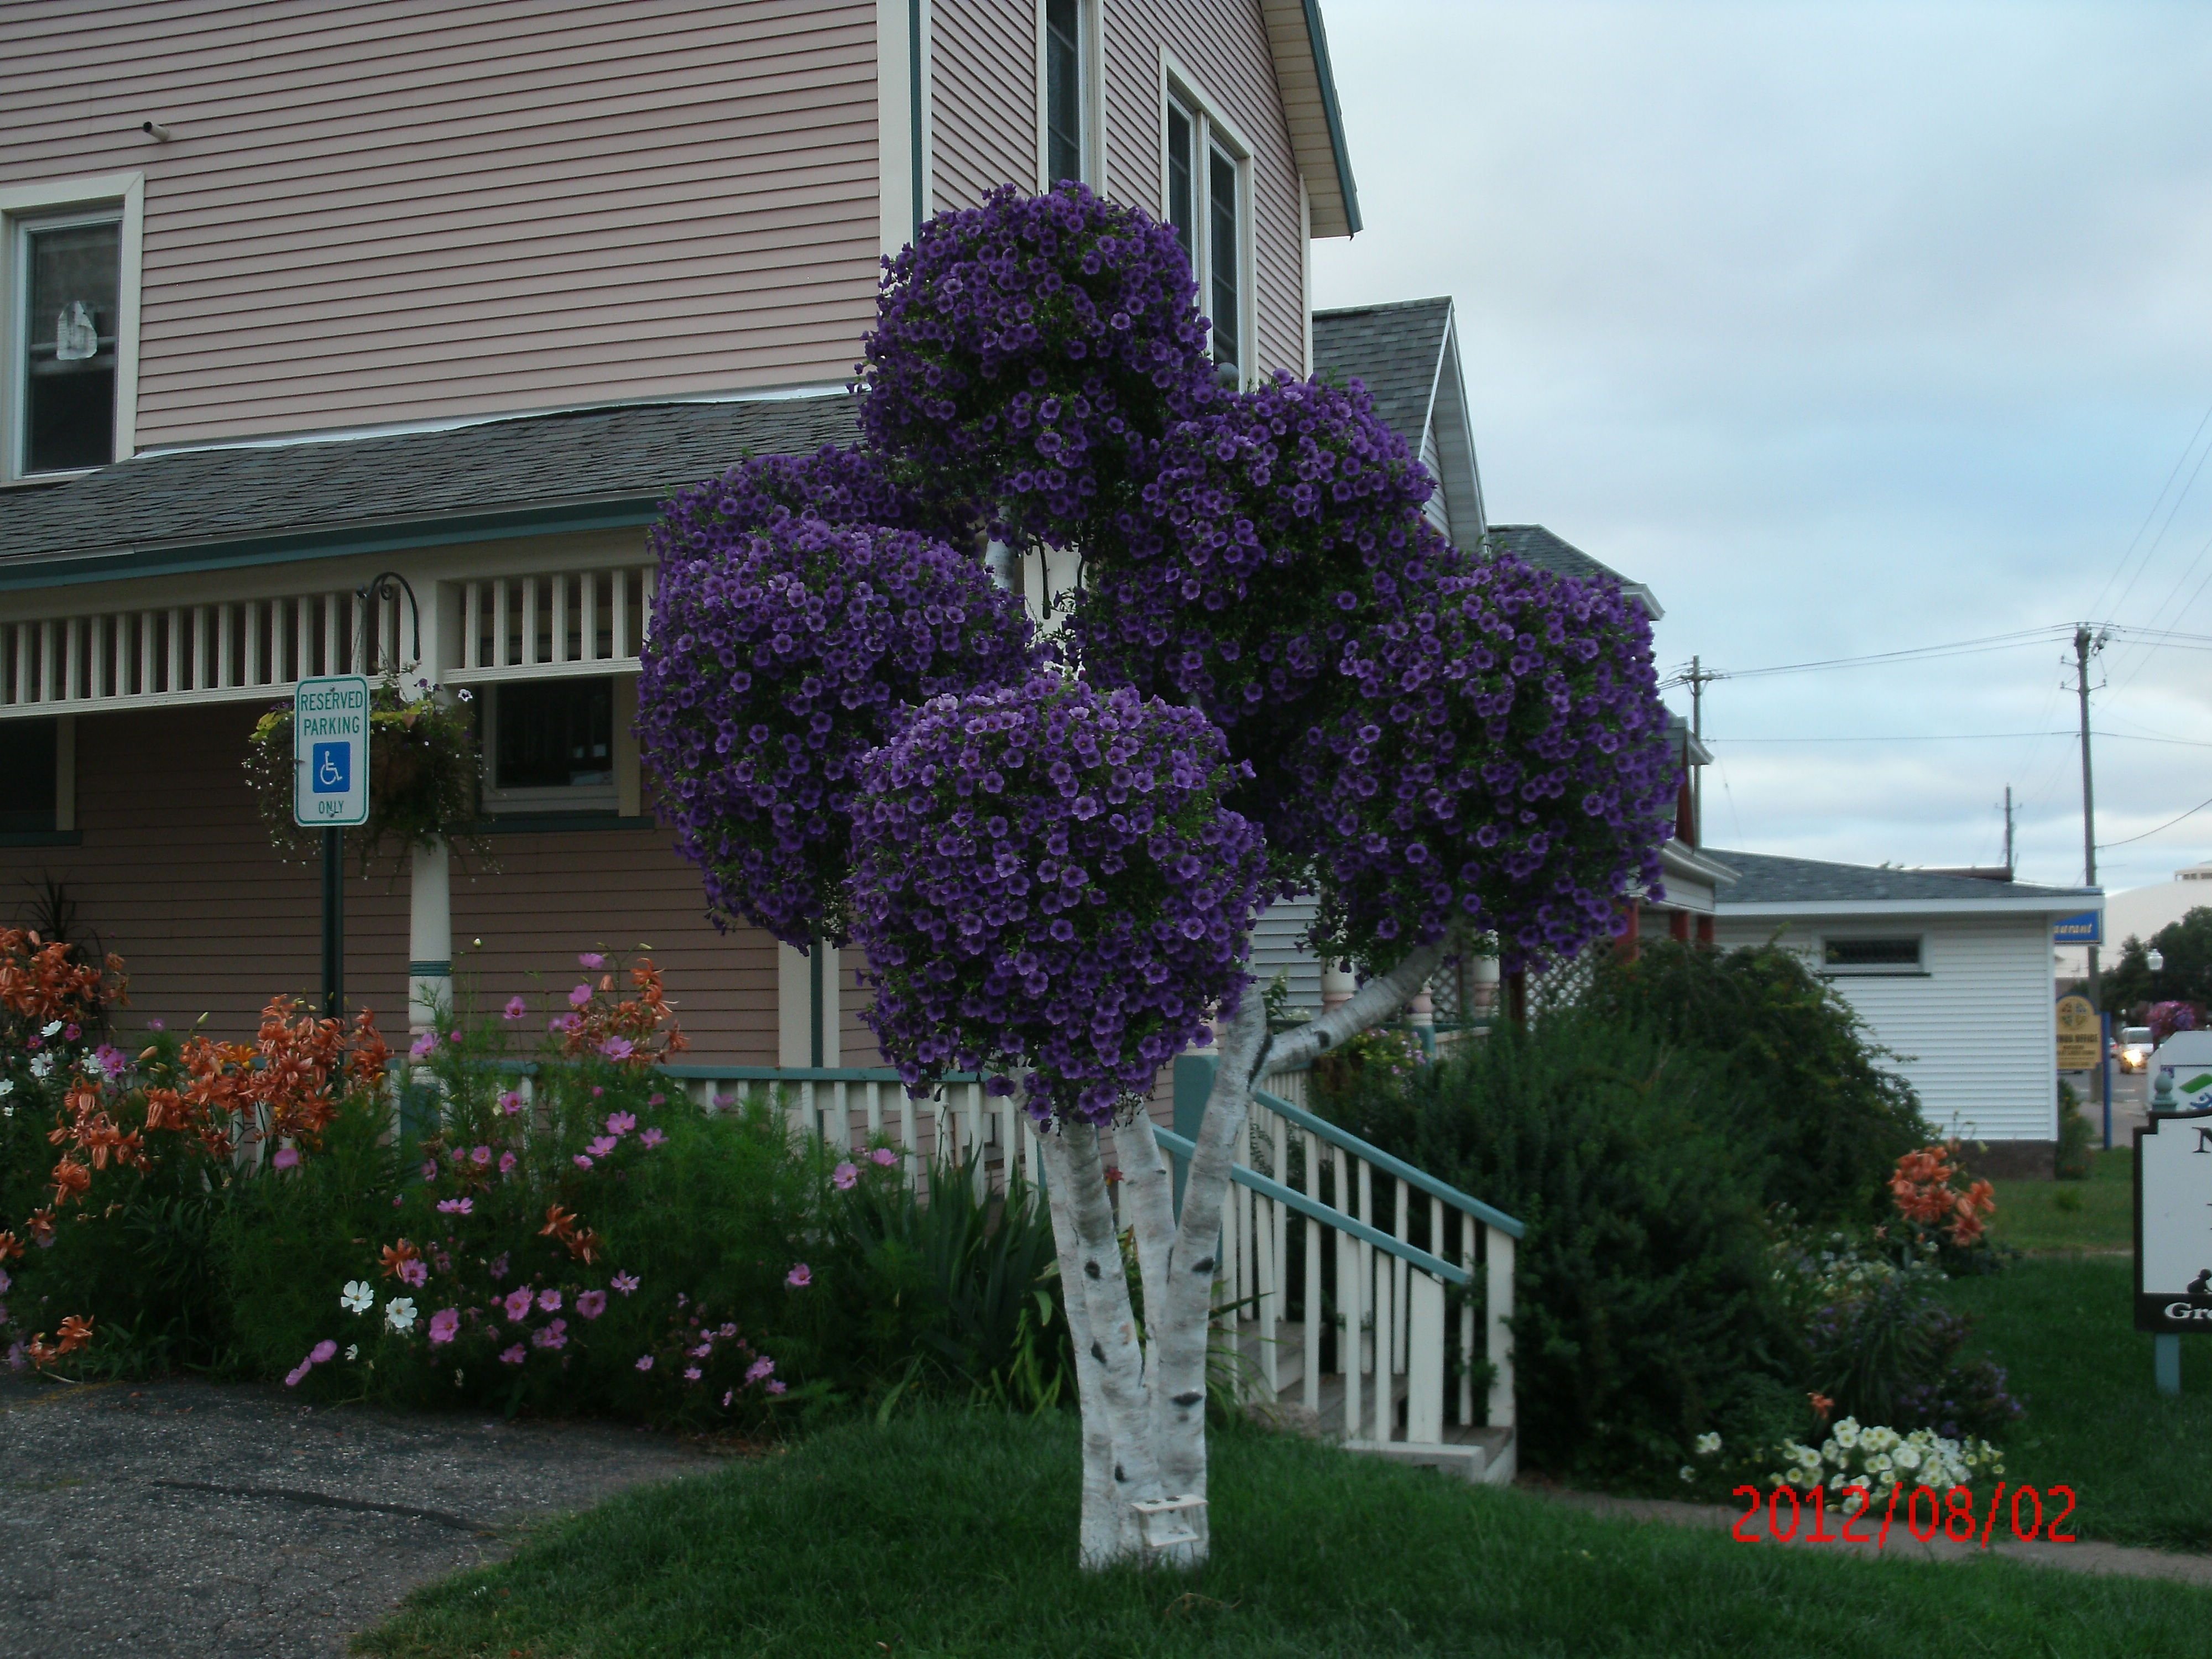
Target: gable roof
(1534, 544)
(1406, 353)
(204, 508)
(1767, 882)
(1300, 47)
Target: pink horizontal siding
(411, 209)
(176, 873)
(983, 98)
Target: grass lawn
(2063, 1329)
(954, 1534)
(2096, 1214)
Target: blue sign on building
(2087, 928)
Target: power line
(2148, 834)
(1972, 736)
(2180, 461)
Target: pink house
(291, 297)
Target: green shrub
(1809, 1099)
(1647, 1307)
(2077, 1142)
(1889, 1353)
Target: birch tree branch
(1373, 1003)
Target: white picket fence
(1361, 1295)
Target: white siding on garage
(1974, 1034)
(1275, 949)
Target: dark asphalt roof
(1768, 878)
(1534, 544)
(636, 452)
(1394, 350)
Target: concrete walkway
(2085, 1556)
(184, 1518)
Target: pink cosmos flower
(645, 1362)
(597, 1092)
(602, 1147)
(884, 1156)
(776, 1385)
(157, 1025)
(456, 1206)
(460, 1155)
(423, 1045)
(396, 1201)
(582, 1162)
(727, 1332)
(507, 1163)
(690, 1373)
(480, 1156)
(513, 1356)
(413, 1272)
(591, 1304)
(617, 1048)
(294, 1378)
(518, 1303)
(591, 959)
(549, 1301)
(844, 1176)
(620, 1123)
(580, 996)
(453, 1037)
(728, 1396)
(625, 1283)
(760, 1369)
(287, 1157)
(705, 1350)
(799, 1277)
(323, 1352)
(516, 1007)
(70, 1033)
(499, 1266)
(510, 1102)
(651, 1137)
(656, 1100)
(429, 1169)
(555, 1335)
(445, 1326)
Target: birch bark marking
(1106, 1530)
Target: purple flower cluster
(1506, 765)
(1280, 522)
(1045, 879)
(839, 486)
(1028, 356)
(778, 655)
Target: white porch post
(430, 886)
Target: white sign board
(2187, 1056)
(2173, 1223)
(329, 753)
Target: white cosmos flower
(357, 1297)
(7, 1085)
(41, 1064)
(353, 1351)
(1708, 1444)
(399, 1314)
(1688, 1474)
(49, 1028)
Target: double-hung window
(68, 277)
(551, 747)
(1207, 199)
(1068, 64)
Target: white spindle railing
(156, 657)
(535, 627)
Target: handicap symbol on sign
(332, 765)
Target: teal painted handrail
(1418, 1179)
(1268, 1187)
(758, 1073)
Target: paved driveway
(190, 1519)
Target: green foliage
(1808, 1099)
(2078, 1138)
(1891, 1354)
(1647, 1306)
(2186, 976)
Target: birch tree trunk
(1144, 1407)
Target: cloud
(1845, 328)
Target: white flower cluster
(1879, 1458)
(1843, 1267)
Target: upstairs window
(552, 747)
(67, 334)
(1066, 93)
(1206, 191)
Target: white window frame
(1915, 969)
(61, 201)
(1213, 131)
(1090, 96)
(556, 799)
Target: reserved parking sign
(330, 752)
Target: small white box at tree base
(329, 753)
(2173, 1223)
(1166, 1522)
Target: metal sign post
(330, 790)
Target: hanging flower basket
(424, 768)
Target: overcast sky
(1845, 328)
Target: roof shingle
(1771, 878)
(1393, 350)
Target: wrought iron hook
(385, 588)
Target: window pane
(1183, 182)
(1222, 297)
(69, 346)
(1063, 92)
(556, 734)
(26, 774)
(1872, 952)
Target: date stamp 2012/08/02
(1953, 1514)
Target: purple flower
(591, 959)
(590, 1304)
(517, 1304)
(286, 1157)
(844, 1176)
(498, 1267)
(625, 1283)
(799, 1277)
(507, 1163)
(481, 1157)
(453, 1037)
(512, 1355)
(645, 1362)
(445, 1326)
(423, 1046)
(580, 996)
(760, 1369)
(690, 1373)
(582, 1162)
(157, 1025)
(516, 1008)
(883, 1155)
(292, 1378)
(323, 1352)
(620, 1123)
(429, 1169)
(456, 1206)
(617, 1048)
(555, 1335)
(656, 1099)
(549, 1301)
(413, 1272)
(602, 1145)
(776, 1385)
(651, 1137)
(510, 1102)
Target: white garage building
(1951, 972)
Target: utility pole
(2009, 865)
(1697, 680)
(2087, 645)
